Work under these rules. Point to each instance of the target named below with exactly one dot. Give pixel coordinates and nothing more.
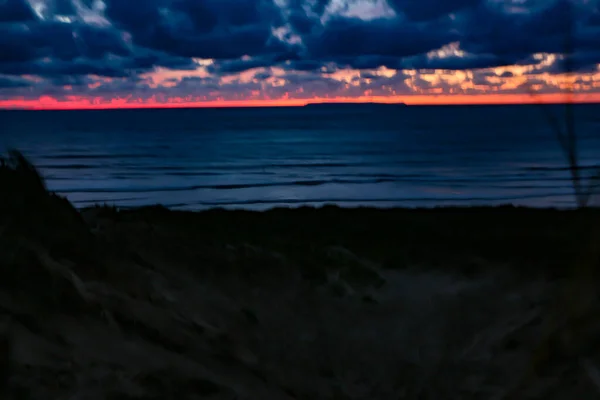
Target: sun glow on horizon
(73, 103)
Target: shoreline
(262, 206)
(544, 238)
(332, 206)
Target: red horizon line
(415, 100)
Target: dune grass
(309, 303)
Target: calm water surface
(261, 158)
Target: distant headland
(353, 105)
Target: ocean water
(261, 158)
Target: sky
(61, 54)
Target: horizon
(104, 54)
(585, 99)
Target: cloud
(493, 31)
(305, 65)
(353, 37)
(486, 31)
(49, 39)
(211, 29)
(427, 10)
(240, 65)
(464, 62)
(13, 83)
(240, 49)
(16, 11)
(15, 44)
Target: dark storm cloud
(427, 10)
(353, 37)
(113, 67)
(236, 66)
(147, 60)
(69, 80)
(365, 62)
(584, 62)
(489, 32)
(16, 11)
(305, 65)
(304, 16)
(423, 62)
(217, 29)
(12, 83)
(75, 40)
(514, 37)
(163, 33)
(459, 63)
(319, 6)
(593, 18)
(16, 44)
(65, 42)
(61, 67)
(301, 23)
(233, 66)
(50, 48)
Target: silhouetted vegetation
(268, 305)
(565, 130)
(28, 210)
(572, 326)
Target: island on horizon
(350, 104)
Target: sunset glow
(289, 53)
(49, 103)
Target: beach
(308, 303)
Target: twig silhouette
(567, 136)
(580, 296)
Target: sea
(347, 155)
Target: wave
(84, 156)
(221, 186)
(106, 201)
(391, 200)
(564, 168)
(230, 167)
(481, 183)
(44, 167)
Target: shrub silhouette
(40, 234)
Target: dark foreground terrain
(293, 304)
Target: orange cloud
(501, 85)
